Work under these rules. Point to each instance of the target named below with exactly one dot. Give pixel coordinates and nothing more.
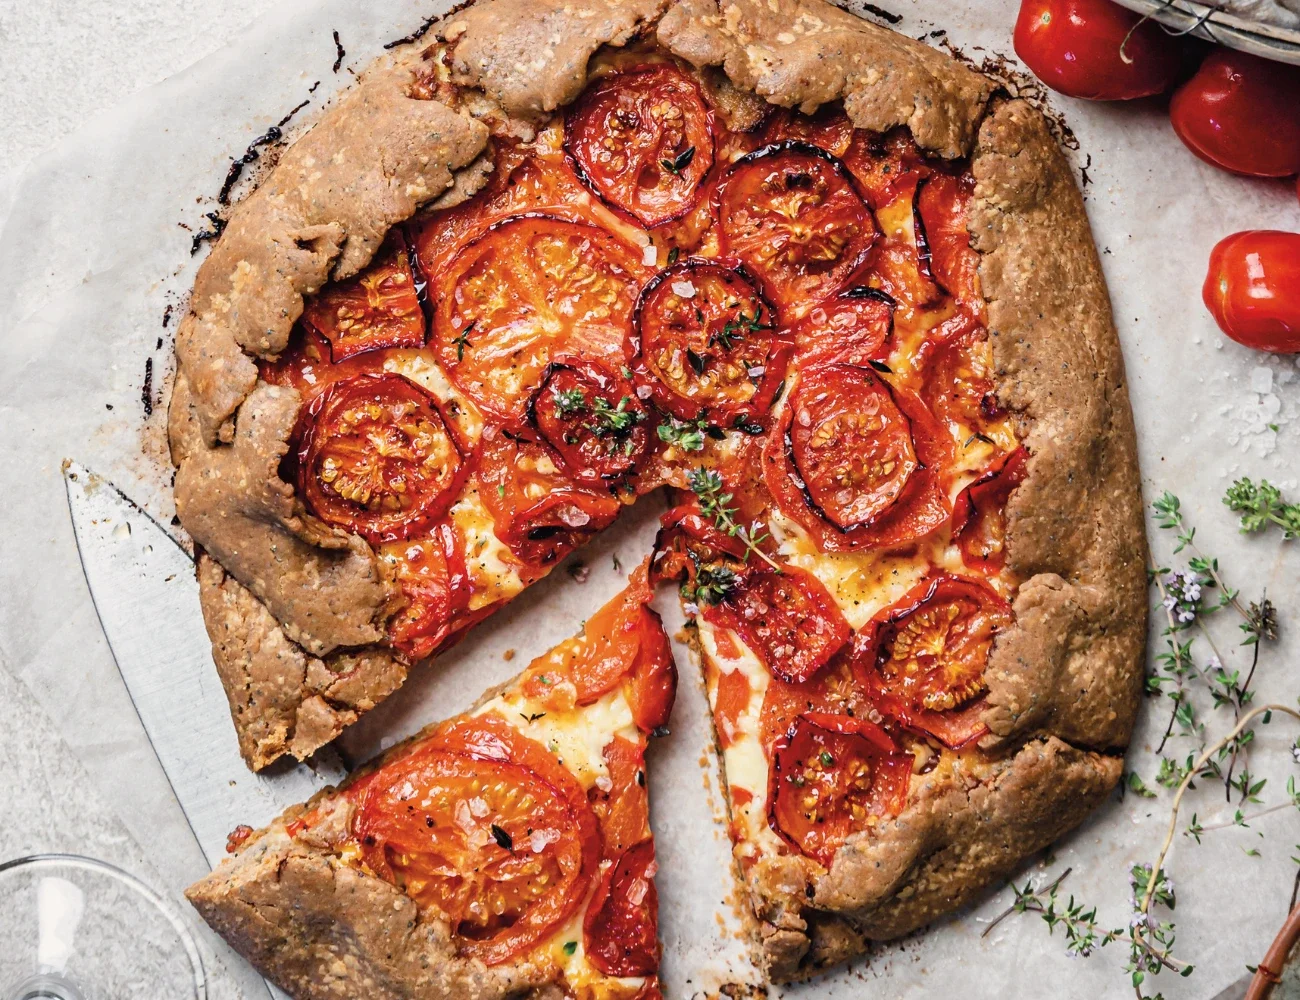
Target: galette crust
(1064, 680)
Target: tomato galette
(829, 288)
(505, 850)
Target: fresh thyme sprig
(680, 162)
(735, 329)
(1261, 505)
(712, 585)
(684, 434)
(708, 487)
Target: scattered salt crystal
(650, 256)
(1271, 404)
(604, 784)
(1261, 379)
(684, 288)
(643, 392)
(538, 839)
(407, 791)
(478, 807)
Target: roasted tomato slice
(788, 619)
(484, 826)
(833, 776)
(854, 328)
(979, 515)
(623, 808)
(835, 690)
(538, 510)
(376, 457)
(791, 215)
(923, 659)
(850, 444)
(620, 930)
(828, 128)
(624, 639)
(887, 166)
(522, 182)
(705, 343)
(958, 385)
(431, 574)
(858, 462)
(592, 419)
(378, 308)
(529, 291)
(942, 207)
(643, 140)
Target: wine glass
(73, 928)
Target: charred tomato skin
(922, 660)
(612, 105)
(340, 493)
(1252, 289)
(707, 341)
(839, 218)
(919, 509)
(833, 776)
(1073, 46)
(593, 447)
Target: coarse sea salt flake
(650, 256)
(684, 288)
(1261, 379)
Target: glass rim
(160, 903)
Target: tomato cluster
(1237, 111)
(786, 319)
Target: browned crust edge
(1068, 673)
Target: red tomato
(431, 574)
(538, 510)
(858, 462)
(592, 419)
(850, 444)
(643, 140)
(941, 208)
(886, 166)
(376, 457)
(704, 343)
(1092, 49)
(979, 513)
(788, 619)
(455, 820)
(827, 128)
(1253, 289)
(653, 681)
(923, 658)
(854, 328)
(833, 776)
(958, 384)
(620, 930)
(1239, 112)
(834, 690)
(623, 640)
(529, 291)
(624, 810)
(306, 364)
(522, 183)
(378, 308)
(791, 215)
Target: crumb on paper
(579, 571)
(508, 655)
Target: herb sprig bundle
(1189, 663)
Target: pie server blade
(144, 589)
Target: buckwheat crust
(295, 597)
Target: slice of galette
(506, 852)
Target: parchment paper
(96, 248)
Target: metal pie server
(143, 586)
